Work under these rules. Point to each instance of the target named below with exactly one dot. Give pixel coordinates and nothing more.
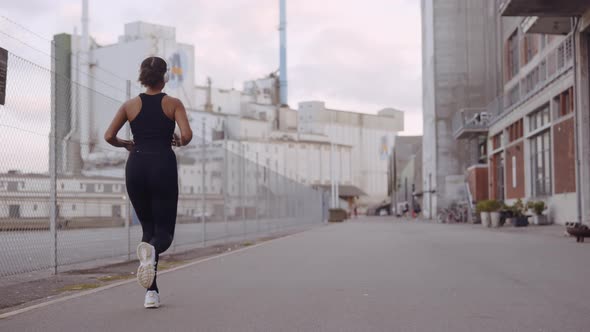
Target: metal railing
(470, 119)
(553, 65)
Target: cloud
(356, 55)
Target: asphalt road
(358, 276)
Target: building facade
(537, 144)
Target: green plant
(537, 207)
(483, 206)
(488, 206)
(518, 209)
(495, 205)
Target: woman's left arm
(111, 134)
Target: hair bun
(152, 72)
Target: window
(73, 207)
(35, 207)
(513, 171)
(539, 118)
(515, 131)
(499, 176)
(541, 163)
(564, 103)
(497, 141)
(531, 47)
(512, 56)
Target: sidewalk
(370, 275)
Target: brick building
(531, 144)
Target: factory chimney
(283, 46)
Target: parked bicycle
(453, 214)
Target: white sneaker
(152, 299)
(146, 272)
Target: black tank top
(151, 128)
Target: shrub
(495, 206)
(537, 207)
(518, 209)
(488, 206)
(482, 206)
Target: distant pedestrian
(151, 173)
(406, 209)
(417, 209)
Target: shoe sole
(151, 306)
(146, 272)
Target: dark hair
(151, 71)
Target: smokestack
(85, 34)
(283, 69)
(83, 108)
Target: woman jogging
(151, 174)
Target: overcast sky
(354, 55)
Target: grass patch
(166, 265)
(80, 287)
(114, 278)
(248, 244)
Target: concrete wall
(459, 71)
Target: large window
(564, 103)
(531, 46)
(541, 163)
(512, 55)
(515, 131)
(499, 176)
(539, 118)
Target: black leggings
(152, 185)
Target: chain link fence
(63, 199)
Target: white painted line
(100, 289)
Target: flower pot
(495, 219)
(485, 219)
(541, 220)
(520, 221)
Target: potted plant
(483, 208)
(519, 218)
(538, 208)
(495, 207)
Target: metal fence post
(53, 183)
(225, 184)
(203, 170)
(256, 203)
(267, 179)
(127, 200)
(242, 189)
(276, 204)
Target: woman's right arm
(181, 118)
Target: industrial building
(460, 72)
(248, 143)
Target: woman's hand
(127, 144)
(176, 140)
